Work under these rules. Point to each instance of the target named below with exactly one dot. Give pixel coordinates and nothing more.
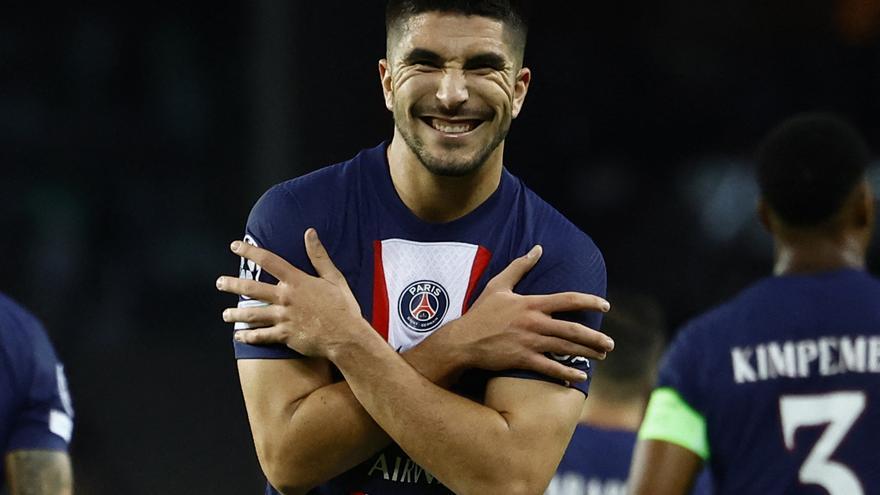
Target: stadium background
(135, 137)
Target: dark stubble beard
(448, 167)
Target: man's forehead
(443, 32)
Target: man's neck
(817, 254)
(435, 198)
(613, 415)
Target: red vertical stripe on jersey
(481, 261)
(380, 292)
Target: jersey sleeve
(277, 223)
(575, 264)
(675, 409)
(42, 412)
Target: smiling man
(399, 359)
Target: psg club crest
(422, 305)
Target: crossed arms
(308, 429)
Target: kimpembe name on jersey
(822, 356)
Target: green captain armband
(670, 419)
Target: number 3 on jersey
(839, 410)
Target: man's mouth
(452, 126)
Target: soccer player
(36, 414)
(405, 362)
(778, 389)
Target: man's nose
(453, 89)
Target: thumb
(516, 270)
(319, 257)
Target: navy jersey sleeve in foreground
(36, 411)
(277, 223)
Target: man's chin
(445, 168)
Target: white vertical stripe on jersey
(404, 262)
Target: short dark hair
(637, 324)
(808, 165)
(513, 13)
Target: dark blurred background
(134, 139)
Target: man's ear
(387, 87)
(520, 89)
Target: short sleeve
(41, 416)
(568, 263)
(277, 223)
(675, 412)
(677, 367)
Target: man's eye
(426, 65)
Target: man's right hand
(505, 330)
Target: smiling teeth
(444, 126)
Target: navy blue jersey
(35, 407)
(597, 461)
(787, 378)
(410, 277)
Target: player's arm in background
(308, 429)
(672, 442)
(510, 444)
(40, 414)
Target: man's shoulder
(545, 223)
(320, 192)
(18, 326)
(771, 305)
(23, 340)
(571, 261)
(324, 183)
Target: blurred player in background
(598, 457)
(778, 390)
(36, 414)
(428, 236)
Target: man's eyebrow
(486, 59)
(421, 55)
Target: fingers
(250, 288)
(554, 369)
(569, 301)
(260, 315)
(564, 347)
(261, 336)
(271, 262)
(516, 270)
(577, 334)
(319, 257)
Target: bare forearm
(660, 467)
(39, 472)
(461, 442)
(297, 456)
